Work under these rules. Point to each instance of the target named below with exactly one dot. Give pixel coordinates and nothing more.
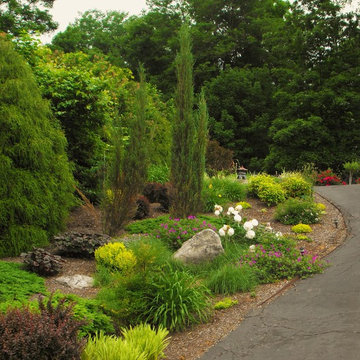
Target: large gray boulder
(203, 246)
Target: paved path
(320, 317)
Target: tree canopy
(17, 16)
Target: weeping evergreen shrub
(36, 182)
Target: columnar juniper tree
(36, 183)
(129, 166)
(200, 147)
(187, 165)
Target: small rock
(76, 281)
(203, 246)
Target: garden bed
(192, 343)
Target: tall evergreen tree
(128, 170)
(36, 183)
(200, 148)
(186, 164)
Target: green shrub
(158, 174)
(210, 198)
(225, 304)
(150, 253)
(278, 258)
(271, 193)
(230, 279)
(176, 300)
(17, 284)
(116, 257)
(145, 226)
(221, 190)
(88, 311)
(301, 229)
(295, 185)
(124, 298)
(36, 182)
(150, 341)
(294, 211)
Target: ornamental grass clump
(230, 279)
(176, 300)
(138, 343)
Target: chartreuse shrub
(36, 182)
(51, 333)
(244, 204)
(301, 229)
(267, 189)
(295, 185)
(294, 211)
(115, 256)
(271, 193)
(225, 304)
(255, 181)
(17, 285)
(138, 343)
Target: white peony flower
(237, 218)
(279, 234)
(250, 234)
(231, 209)
(252, 248)
(235, 212)
(238, 207)
(222, 232)
(219, 208)
(217, 212)
(254, 222)
(248, 225)
(231, 232)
